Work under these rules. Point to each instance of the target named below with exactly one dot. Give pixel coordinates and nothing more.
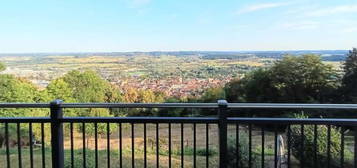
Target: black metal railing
(222, 133)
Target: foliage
(90, 159)
(132, 95)
(88, 86)
(294, 79)
(211, 95)
(349, 79)
(59, 89)
(243, 153)
(85, 86)
(321, 145)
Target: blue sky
(172, 25)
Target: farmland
(179, 74)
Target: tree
(87, 86)
(211, 95)
(59, 89)
(349, 80)
(13, 89)
(302, 79)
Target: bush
(321, 146)
(243, 152)
(78, 162)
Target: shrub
(243, 151)
(78, 162)
(321, 146)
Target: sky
(176, 25)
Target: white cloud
(261, 6)
(333, 10)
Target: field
(126, 66)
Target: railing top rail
(139, 105)
(24, 105)
(289, 121)
(183, 105)
(290, 106)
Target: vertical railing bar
(222, 126)
(157, 146)
(263, 147)
(328, 145)
(132, 146)
(289, 144)
(72, 145)
(182, 145)
(194, 145)
(315, 146)
(207, 145)
(96, 144)
(19, 145)
(145, 157)
(7, 145)
(43, 145)
(31, 147)
(120, 146)
(237, 145)
(302, 146)
(275, 147)
(250, 145)
(108, 144)
(342, 147)
(169, 145)
(84, 144)
(355, 147)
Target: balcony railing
(208, 133)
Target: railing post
(222, 126)
(57, 134)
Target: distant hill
(327, 55)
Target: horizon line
(82, 52)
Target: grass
(114, 157)
(151, 149)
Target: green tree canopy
(211, 95)
(349, 80)
(14, 89)
(59, 89)
(294, 79)
(87, 86)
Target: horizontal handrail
(291, 106)
(183, 105)
(25, 119)
(141, 119)
(139, 105)
(288, 121)
(24, 105)
(242, 120)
